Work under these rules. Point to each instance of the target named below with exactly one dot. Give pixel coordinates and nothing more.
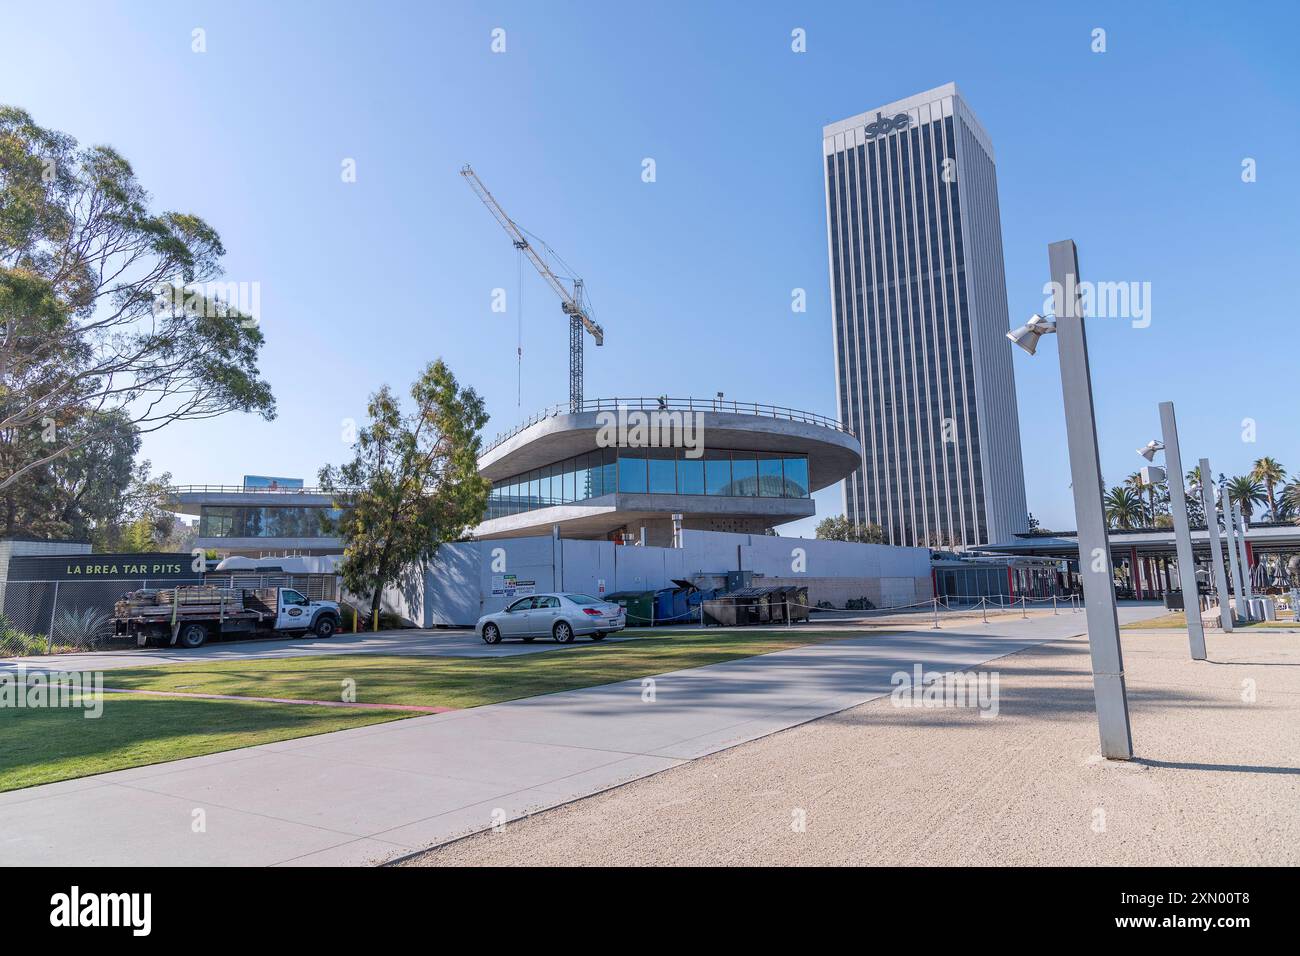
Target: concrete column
(1234, 560)
(1095, 566)
(1246, 587)
(557, 557)
(1216, 549)
(1182, 531)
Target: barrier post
(1053, 603)
(54, 607)
(984, 608)
(1024, 609)
(936, 613)
(375, 614)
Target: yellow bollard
(376, 627)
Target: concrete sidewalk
(374, 793)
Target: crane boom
(570, 301)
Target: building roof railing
(241, 489)
(673, 405)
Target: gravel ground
(1216, 782)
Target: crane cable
(519, 337)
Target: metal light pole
(1182, 532)
(1108, 686)
(1216, 551)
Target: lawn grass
(42, 746)
(1178, 621)
(462, 681)
(1171, 621)
(46, 745)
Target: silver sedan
(559, 616)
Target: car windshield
(581, 599)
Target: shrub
(16, 643)
(82, 629)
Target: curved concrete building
(619, 466)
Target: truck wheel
(192, 635)
(325, 626)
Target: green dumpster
(639, 605)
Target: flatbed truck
(190, 616)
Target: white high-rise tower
(920, 307)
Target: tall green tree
(1247, 492)
(1124, 508)
(413, 482)
(1151, 490)
(1291, 500)
(1271, 473)
(107, 309)
(840, 528)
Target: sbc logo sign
(882, 126)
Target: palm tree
(1291, 499)
(1139, 487)
(1192, 484)
(1150, 489)
(1247, 492)
(1271, 473)
(1123, 507)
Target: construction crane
(572, 302)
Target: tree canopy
(413, 482)
(840, 528)
(107, 321)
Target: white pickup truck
(189, 616)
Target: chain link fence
(62, 617)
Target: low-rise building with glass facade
(259, 522)
(719, 464)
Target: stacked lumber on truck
(202, 594)
(160, 602)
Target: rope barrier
(980, 603)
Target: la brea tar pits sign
(152, 566)
(887, 125)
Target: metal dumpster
(639, 605)
(754, 605)
(697, 596)
(666, 607)
(790, 604)
(686, 602)
(720, 610)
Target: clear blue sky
(1135, 153)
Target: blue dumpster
(666, 606)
